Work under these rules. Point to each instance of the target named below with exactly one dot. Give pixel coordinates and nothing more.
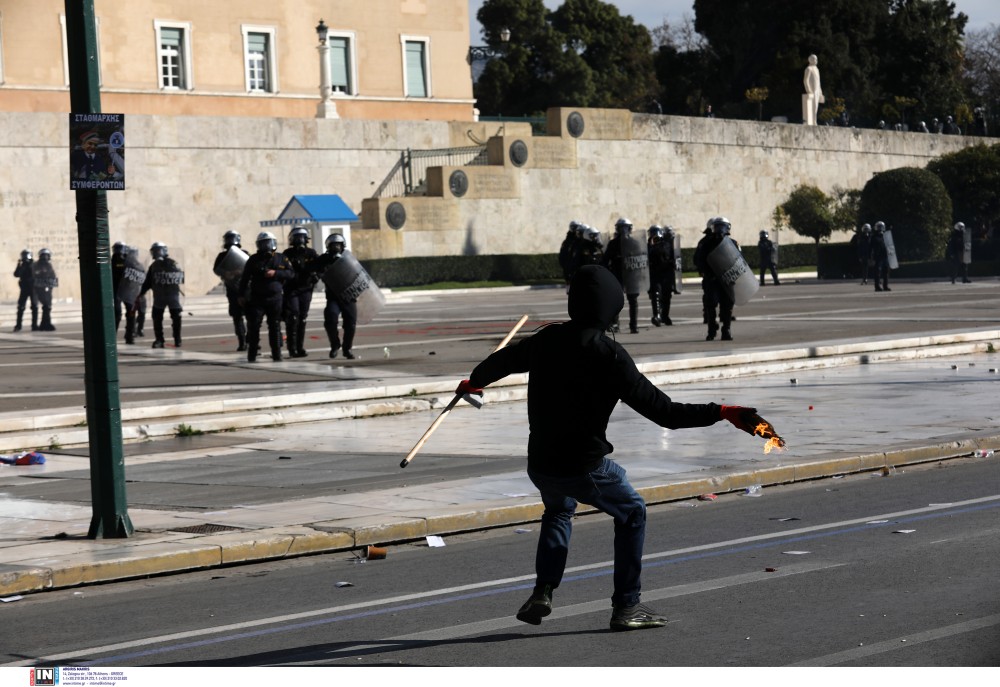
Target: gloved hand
(749, 421)
(472, 395)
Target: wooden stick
(447, 409)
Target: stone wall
(189, 179)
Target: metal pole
(104, 422)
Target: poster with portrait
(97, 151)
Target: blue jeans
(607, 489)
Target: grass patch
(188, 431)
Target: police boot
(712, 329)
(176, 325)
(34, 319)
(274, 339)
(301, 337)
(331, 333)
(291, 339)
(129, 328)
(139, 322)
(655, 303)
(157, 333)
(46, 325)
(20, 316)
(241, 334)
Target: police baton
(447, 409)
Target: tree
(846, 208)
(982, 73)
(915, 205)
(808, 212)
(972, 177)
(584, 54)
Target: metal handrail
(408, 176)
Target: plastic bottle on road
(982, 453)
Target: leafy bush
(915, 205)
(972, 177)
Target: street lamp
(486, 52)
(327, 108)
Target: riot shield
(731, 268)
(967, 246)
(230, 269)
(678, 265)
(44, 275)
(350, 282)
(132, 279)
(635, 265)
(774, 254)
(890, 249)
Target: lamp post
(486, 52)
(327, 108)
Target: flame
(773, 443)
(762, 429)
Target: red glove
(465, 387)
(742, 418)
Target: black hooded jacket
(576, 376)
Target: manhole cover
(206, 529)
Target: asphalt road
(867, 571)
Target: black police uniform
(263, 298)
(117, 272)
(613, 260)
(164, 277)
(44, 280)
(26, 284)
(953, 254)
(713, 294)
(661, 279)
(766, 248)
(337, 308)
(235, 309)
(880, 256)
(298, 297)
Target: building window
(173, 43)
(416, 67)
(258, 50)
(65, 47)
(343, 77)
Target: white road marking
(403, 598)
(901, 642)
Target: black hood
(595, 297)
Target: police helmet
(118, 248)
(592, 235)
(655, 232)
(721, 226)
(669, 233)
(266, 242)
(335, 243)
(879, 227)
(231, 238)
(44, 255)
(299, 236)
(158, 250)
(574, 225)
(623, 227)
(26, 255)
(866, 228)
(763, 234)
(959, 226)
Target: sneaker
(635, 617)
(536, 607)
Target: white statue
(813, 96)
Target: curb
(218, 550)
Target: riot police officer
(768, 258)
(299, 290)
(590, 250)
(337, 306)
(880, 256)
(862, 242)
(261, 293)
(714, 295)
(628, 261)
(568, 250)
(165, 278)
(26, 284)
(954, 253)
(661, 273)
(117, 272)
(232, 239)
(44, 280)
(129, 288)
